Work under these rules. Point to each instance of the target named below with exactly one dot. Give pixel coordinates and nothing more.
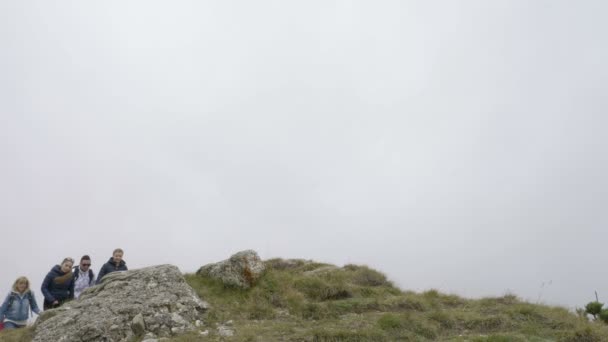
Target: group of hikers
(63, 282)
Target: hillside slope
(298, 300)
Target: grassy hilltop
(299, 300)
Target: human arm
(45, 288)
(71, 289)
(73, 283)
(34, 304)
(102, 272)
(4, 307)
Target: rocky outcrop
(242, 269)
(150, 302)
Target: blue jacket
(110, 267)
(16, 306)
(54, 290)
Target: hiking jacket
(52, 290)
(16, 306)
(82, 280)
(110, 267)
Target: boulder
(241, 270)
(154, 301)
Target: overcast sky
(457, 145)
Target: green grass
(17, 335)
(297, 300)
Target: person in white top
(83, 276)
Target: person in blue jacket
(57, 286)
(15, 309)
(116, 263)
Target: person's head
(66, 265)
(117, 255)
(85, 262)
(21, 285)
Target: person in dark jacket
(57, 285)
(15, 309)
(116, 263)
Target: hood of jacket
(56, 271)
(21, 294)
(111, 261)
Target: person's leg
(10, 325)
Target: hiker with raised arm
(116, 263)
(58, 285)
(16, 308)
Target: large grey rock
(154, 301)
(242, 270)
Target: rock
(149, 336)
(225, 331)
(125, 306)
(242, 270)
(178, 330)
(138, 325)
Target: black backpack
(77, 274)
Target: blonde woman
(57, 286)
(15, 309)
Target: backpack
(77, 274)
